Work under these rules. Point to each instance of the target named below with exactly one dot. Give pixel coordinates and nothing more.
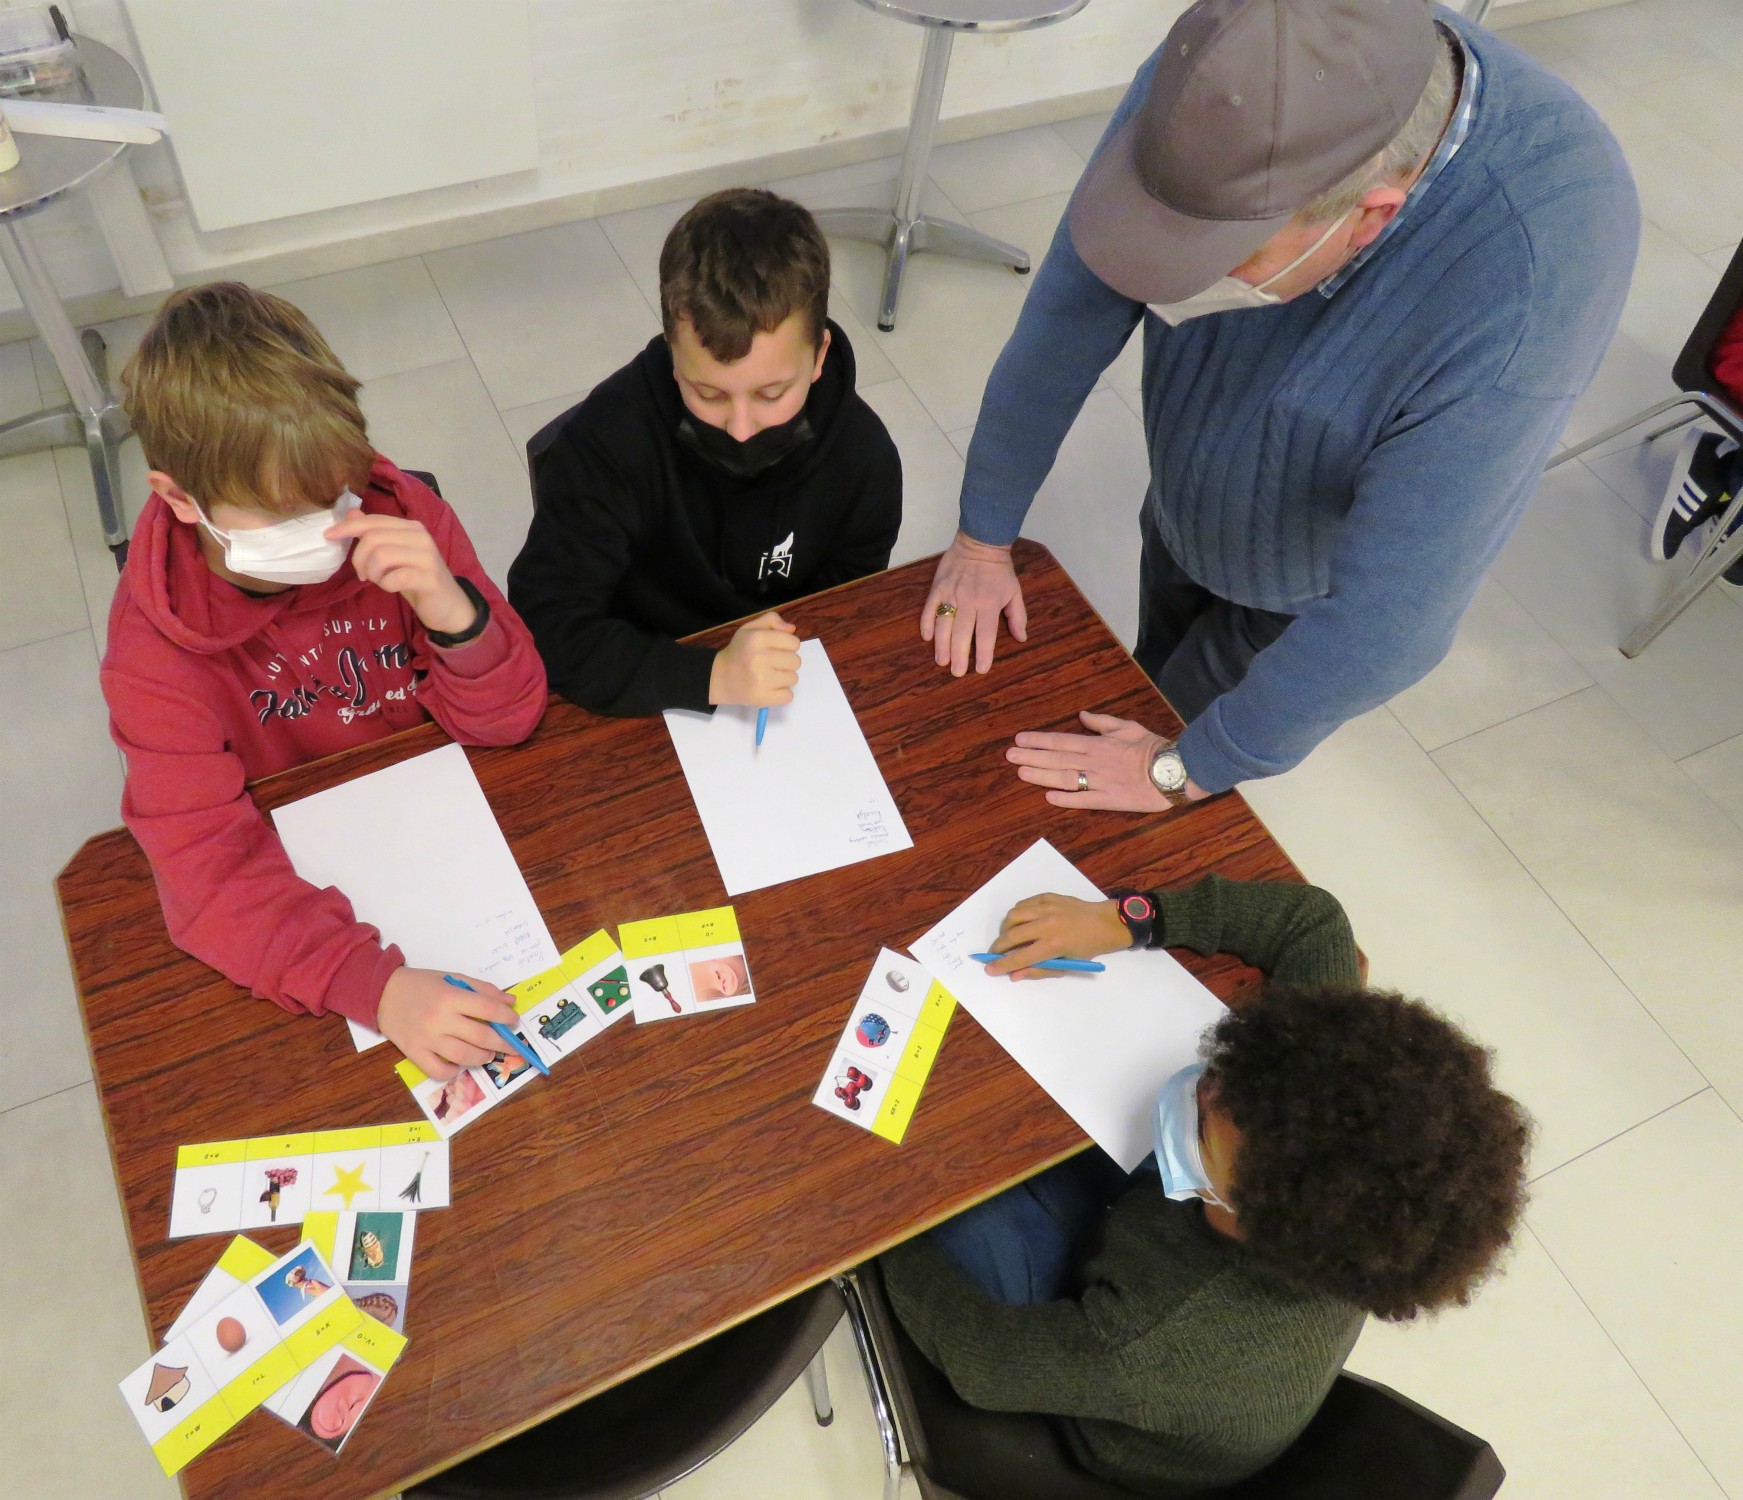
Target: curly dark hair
(1378, 1162)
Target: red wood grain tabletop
(668, 1181)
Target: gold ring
(1083, 781)
(943, 610)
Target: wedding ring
(1083, 781)
(943, 610)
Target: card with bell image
(684, 965)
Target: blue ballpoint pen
(762, 724)
(1064, 965)
(502, 1031)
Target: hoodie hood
(168, 578)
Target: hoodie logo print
(777, 562)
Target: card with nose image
(686, 965)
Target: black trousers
(1193, 645)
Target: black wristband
(1138, 912)
(450, 639)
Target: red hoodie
(210, 688)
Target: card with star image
(374, 1168)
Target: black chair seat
(636, 1438)
(1367, 1442)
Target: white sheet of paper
(1101, 1044)
(809, 798)
(417, 851)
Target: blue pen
(514, 1042)
(1063, 965)
(762, 724)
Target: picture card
(221, 1186)
(809, 798)
(887, 1049)
(372, 1255)
(327, 1400)
(561, 1010)
(1101, 1044)
(227, 1360)
(685, 965)
(445, 888)
(241, 1261)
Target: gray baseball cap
(1255, 107)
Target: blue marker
(762, 724)
(1063, 965)
(514, 1042)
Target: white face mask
(1231, 292)
(292, 551)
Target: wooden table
(668, 1181)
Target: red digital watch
(1138, 912)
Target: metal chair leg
(877, 1385)
(1719, 554)
(817, 1381)
(1680, 399)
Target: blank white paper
(810, 798)
(1102, 1045)
(418, 852)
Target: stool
(905, 230)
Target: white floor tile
(1528, 1368)
(1650, 1232)
(1640, 472)
(1632, 851)
(931, 472)
(45, 1037)
(440, 419)
(121, 336)
(523, 421)
(1578, 564)
(1720, 259)
(40, 595)
(97, 573)
(1445, 911)
(19, 394)
(379, 319)
(1084, 133)
(70, 1306)
(545, 312)
(1718, 772)
(1627, 45)
(1502, 663)
(996, 170)
(836, 1462)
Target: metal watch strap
(447, 640)
(1177, 797)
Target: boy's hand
(1056, 927)
(401, 557)
(439, 1027)
(760, 665)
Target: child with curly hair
(1338, 1151)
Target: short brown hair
(739, 263)
(236, 396)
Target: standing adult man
(1377, 254)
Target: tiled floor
(1543, 837)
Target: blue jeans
(1024, 1245)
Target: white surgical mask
(293, 551)
(1231, 293)
(1176, 1133)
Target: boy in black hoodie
(727, 468)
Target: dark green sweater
(1182, 1364)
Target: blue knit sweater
(1356, 460)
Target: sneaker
(1698, 492)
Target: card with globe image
(886, 1051)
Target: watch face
(1168, 771)
(1135, 908)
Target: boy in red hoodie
(288, 594)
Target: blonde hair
(1413, 142)
(236, 396)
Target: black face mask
(719, 449)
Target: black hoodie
(636, 540)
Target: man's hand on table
(975, 583)
(1114, 760)
(439, 1026)
(1056, 927)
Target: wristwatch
(1138, 912)
(1168, 775)
(449, 639)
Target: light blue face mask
(1177, 1153)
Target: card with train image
(686, 965)
(887, 1049)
